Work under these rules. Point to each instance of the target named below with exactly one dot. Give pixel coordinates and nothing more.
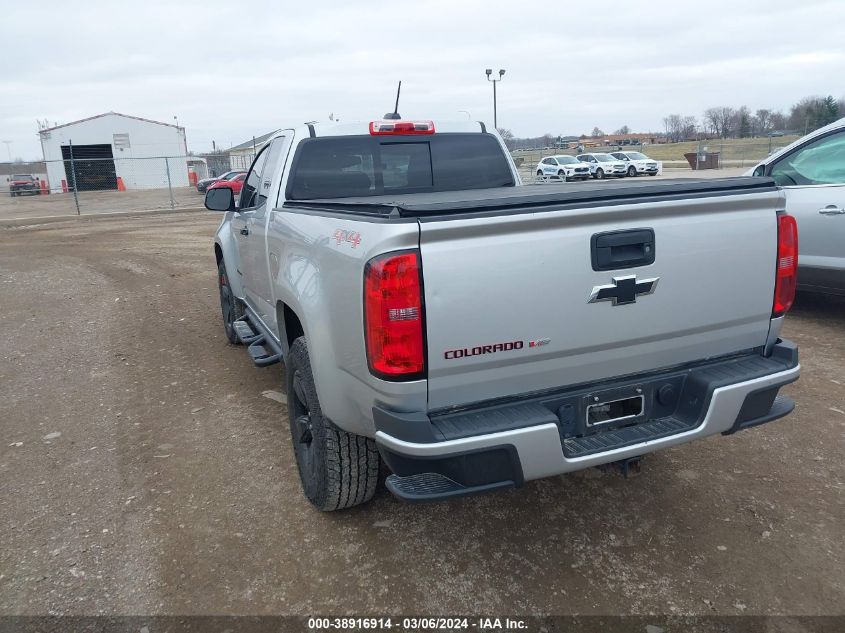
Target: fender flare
(224, 249)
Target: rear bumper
(545, 439)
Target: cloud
(233, 70)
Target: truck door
(243, 227)
(262, 262)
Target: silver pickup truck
(473, 334)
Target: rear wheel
(600, 173)
(229, 303)
(337, 469)
(632, 171)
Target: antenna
(395, 114)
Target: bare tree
(508, 138)
(679, 128)
(688, 128)
(762, 121)
(720, 120)
(597, 132)
(778, 121)
(623, 130)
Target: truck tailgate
(507, 294)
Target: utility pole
(9, 150)
(489, 72)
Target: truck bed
(534, 198)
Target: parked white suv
(638, 163)
(604, 165)
(563, 167)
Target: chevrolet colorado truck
(473, 334)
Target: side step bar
(261, 347)
(435, 487)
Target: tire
(600, 174)
(230, 305)
(539, 173)
(337, 469)
(632, 172)
(654, 174)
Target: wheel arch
(289, 324)
(225, 251)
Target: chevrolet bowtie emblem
(623, 290)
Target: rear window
(347, 166)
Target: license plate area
(614, 411)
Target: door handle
(832, 210)
(245, 231)
(614, 250)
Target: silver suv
(811, 172)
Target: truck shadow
(819, 306)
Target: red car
(235, 184)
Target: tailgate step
(609, 440)
(434, 487)
(245, 333)
(261, 356)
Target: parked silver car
(812, 173)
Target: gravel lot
(145, 468)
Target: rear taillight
(394, 316)
(387, 127)
(786, 275)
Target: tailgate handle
(615, 250)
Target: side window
(760, 170)
(821, 162)
(249, 192)
(269, 169)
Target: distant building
(645, 139)
(109, 147)
(241, 156)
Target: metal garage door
(93, 166)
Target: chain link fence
(77, 186)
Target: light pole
(9, 150)
(489, 72)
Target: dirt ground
(97, 202)
(146, 468)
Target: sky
(232, 70)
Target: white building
(113, 151)
(241, 156)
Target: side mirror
(220, 199)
